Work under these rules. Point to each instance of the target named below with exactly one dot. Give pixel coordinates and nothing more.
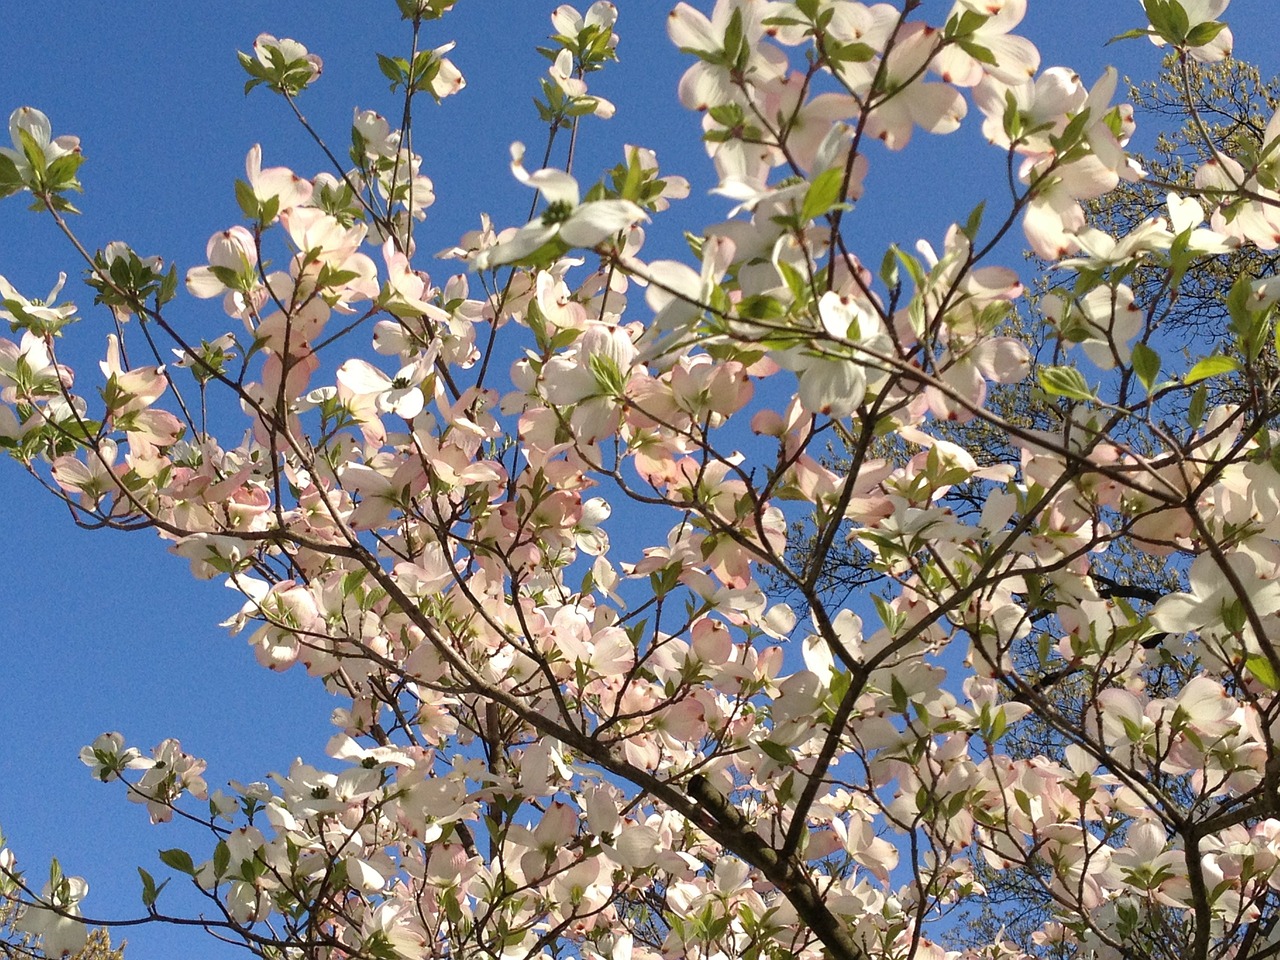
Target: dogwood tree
(551, 744)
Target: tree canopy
(790, 598)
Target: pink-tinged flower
(170, 774)
(211, 554)
(119, 250)
(265, 46)
(807, 127)
(966, 369)
(1252, 221)
(405, 292)
(1198, 14)
(1015, 58)
(380, 491)
(27, 371)
(117, 259)
(128, 391)
(1204, 707)
(128, 396)
(405, 189)
(677, 294)
(35, 125)
(1101, 250)
(107, 757)
(94, 478)
(912, 102)
(1043, 107)
(599, 366)
(590, 538)
(1187, 216)
(601, 16)
(673, 187)
(1255, 220)
(290, 612)
(1054, 215)
(211, 357)
(400, 395)
(448, 79)
(328, 253)
(37, 316)
(283, 64)
(833, 379)
(233, 259)
(376, 137)
(1255, 563)
(710, 82)
(1152, 867)
(280, 184)
(566, 218)
(575, 88)
(52, 918)
(706, 391)
(1104, 321)
(246, 903)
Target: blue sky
(103, 631)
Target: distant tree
(1201, 108)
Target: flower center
(557, 212)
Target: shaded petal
(593, 222)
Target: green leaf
(607, 375)
(59, 203)
(1179, 25)
(776, 752)
(221, 859)
(898, 693)
(34, 154)
(246, 199)
(978, 52)
(1012, 120)
(823, 194)
(889, 269)
(727, 114)
(1213, 366)
(1128, 35)
(1146, 364)
(1072, 134)
(974, 223)
(150, 892)
(734, 37)
(1195, 410)
(168, 286)
(179, 860)
(1239, 298)
(999, 724)
(633, 179)
(1249, 325)
(1156, 13)
(1065, 382)
(914, 270)
(1204, 33)
(1262, 670)
(62, 172)
(760, 306)
(848, 52)
(10, 179)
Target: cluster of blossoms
(591, 698)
